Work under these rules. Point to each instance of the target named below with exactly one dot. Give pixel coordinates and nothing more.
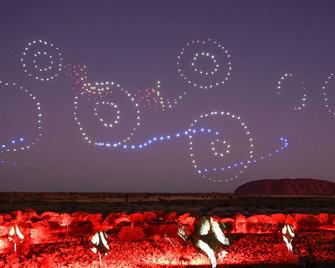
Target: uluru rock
(287, 187)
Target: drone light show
(167, 134)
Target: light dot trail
(303, 99)
(243, 164)
(21, 143)
(325, 95)
(189, 134)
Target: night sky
(135, 44)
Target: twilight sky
(136, 44)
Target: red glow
(150, 239)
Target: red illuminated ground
(149, 239)
(142, 229)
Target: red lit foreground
(150, 239)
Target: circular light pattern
(41, 60)
(211, 57)
(116, 121)
(244, 163)
(20, 144)
(244, 128)
(303, 99)
(324, 93)
(191, 70)
(221, 154)
(216, 174)
(107, 89)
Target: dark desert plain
(197, 203)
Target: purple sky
(136, 43)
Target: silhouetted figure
(288, 235)
(100, 245)
(208, 236)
